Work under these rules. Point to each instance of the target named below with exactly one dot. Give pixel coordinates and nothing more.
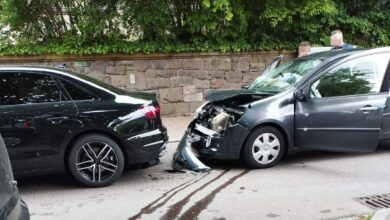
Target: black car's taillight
(150, 111)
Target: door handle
(57, 120)
(368, 108)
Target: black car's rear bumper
(146, 147)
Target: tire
(25, 213)
(259, 153)
(96, 160)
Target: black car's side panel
(34, 134)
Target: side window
(359, 76)
(76, 93)
(26, 88)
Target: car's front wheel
(96, 160)
(264, 147)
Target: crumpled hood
(221, 94)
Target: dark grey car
(11, 206)
(335, 101)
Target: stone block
(174, 64)
(152, 73)
(256, 65)
(168, 109)
(171, 95)
(97, 76)
(189, 89)
(181, 81)
(217, 83)
(250, 77)
(156, 83)
(159, 64)
(99, 63)
(192, 64)
(183, 109)
(201, 74)
(124, 63)
(242, 66)
(202, 84)
(107, 79)
(221, 64)
(188, 73)
(141, 65)
(233, 77)
(116, 70)
(207, 65)
(97, 70)
(232, 86)
(217, 74)
(195, 97)
(120, 81)
(140, 81)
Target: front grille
(376, 201)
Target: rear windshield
(97, 82)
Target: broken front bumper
(185, 158)
(199, 141)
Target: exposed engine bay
(207, 131)
(220, 115)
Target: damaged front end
(216, 132)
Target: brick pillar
(304, 49)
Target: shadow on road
(302, 157)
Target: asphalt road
(310, 185)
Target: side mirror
(245, 87)
(299, 95)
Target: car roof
(324, 55)
(58, 72)
(343, 55)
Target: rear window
(75, 92)
(97, 82)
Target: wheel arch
(75, 137)
(279, 127)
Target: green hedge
(130, 26)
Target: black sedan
(336, 101)
(11, 206)
(55, 120)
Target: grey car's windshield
(285, 75)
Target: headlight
(199, 110)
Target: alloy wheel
(96, 161)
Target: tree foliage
(129, 26)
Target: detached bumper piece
(185, 158)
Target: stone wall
(180, 80)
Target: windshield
(285, 75)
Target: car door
(344, 111)
(35, 117)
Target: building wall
(180, 80)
